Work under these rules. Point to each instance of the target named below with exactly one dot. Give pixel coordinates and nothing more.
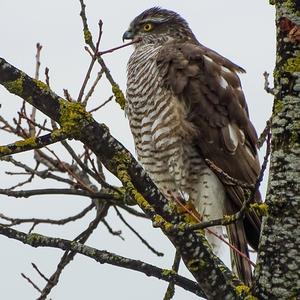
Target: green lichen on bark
(16, 86)
(35, 239)
(168, 272)
(4, 150)
(244, 292)
(261, 208)
(73, 118)
(292, 65)
(120, 98)
(87, 36)
(27, 142)
(278, 106)
(42, 85)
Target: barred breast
(163, 137)
(158, 124)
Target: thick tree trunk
(278, 267)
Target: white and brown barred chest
(158, 123)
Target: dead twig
(92, 89)
(267, 84)
(103, 104)
(117, 233)
(119, 47)
(94, 58)
(170, 292)
(137, 234)
(39, 272)
(31, 282)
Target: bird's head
(157, 26)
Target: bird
(186, 107)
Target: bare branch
(119, 47)
(138, 235)
(103, 257)
(69, 255)
(111, 231)
(31, 282)
(94, 58)
(32, 143)
(100, 106)
(92, 89)
(267, 84)
(36, 192)
(39, 272)
(36, 221)
(170, 292)
(231, 180)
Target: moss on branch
(73, 118)
(120, 98)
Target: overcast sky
(243, 31)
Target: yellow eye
(148, 27)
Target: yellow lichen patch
(16, 86)
(27, 142)
(229, 218)
(34, 237)
(261, 208)
(87, 36)
(278, 106)
(244, 291)
(42, 86)
(4, 150)
(123, 175)
(292, 65)
(159, 221)
(73, 118)
(289, 4)
(188, 211)
(195, 265)
(120, 99)
(167, 272)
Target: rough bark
(278, 266)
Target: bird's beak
(128, 35)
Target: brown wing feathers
(208, 85)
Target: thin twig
(92, 89)
(170, 292)
(263, 136)
(232, 181)
(113, 232)
(267, 84)
(89, 41)
(138, 235)
(103, 257)
(25, 181)
(103, 104)
(39, 272)
(94, 58)
(36, 221)
(32, 122)
(119, 47)
(47, 76)
(31, 282)
(69, 255)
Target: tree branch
(209, 271)
(101, 256)
(32, 143)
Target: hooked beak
(128, 35)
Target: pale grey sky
(243, 31)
